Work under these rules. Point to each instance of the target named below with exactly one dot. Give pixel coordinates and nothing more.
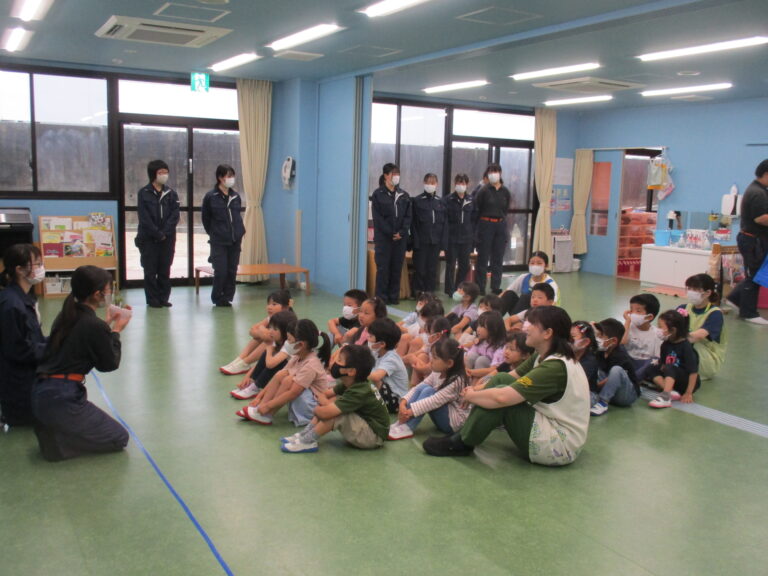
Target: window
(15, 132)
(422, 140)
(600, 198)
(71, 134)
(162, 99)
(383, 141)
(496, 125)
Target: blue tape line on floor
(165, 480)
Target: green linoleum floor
(654, 492)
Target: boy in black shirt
(617, 382)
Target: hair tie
(683, 312)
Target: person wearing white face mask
(517, 296)
(21, 337)
(391, 213)
(429, 235)
(158, 211)
(642, 339)
(460, 211)
(493, 201)
(707, 330)
(389, 374)
(223, 221)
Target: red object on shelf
(762, 298)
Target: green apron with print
(711, 354)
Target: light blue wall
(567, 126)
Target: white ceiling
(439, 42)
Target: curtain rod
(625, 148)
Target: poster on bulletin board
(561, 200)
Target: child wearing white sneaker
(353, 406)
(276, 302)
(439, 395)
(300, 382)
(272, 361)
(677, 374)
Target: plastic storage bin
(661, 237)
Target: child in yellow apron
(707, 325)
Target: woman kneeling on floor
(543, 404)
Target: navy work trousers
(491, 243)
(389, 256)
(224, 259)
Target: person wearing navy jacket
(391, 211)
(492, 201)
(223, 222)
(158, 207)
(428, 233)
(460, 209)
(21, 338)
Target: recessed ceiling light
(116, 61)
(387, 7)
(688, 73)
(16, 39)
(585, 100)
(28, 10)
(304, 36)
(456, 86)
(686, 89)
(235, 61)
(555, 71)
(705, 48)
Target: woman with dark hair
(391, 212)
(492, 202)
(460, 211)
(68, 425)
(429, 236)
(158, 209)
(21, 338)
(223, 222)
(543, 404)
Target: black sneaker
(167, 304)
(447, 446)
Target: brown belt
(73, 377)
(485, 219)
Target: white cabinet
(671, 266)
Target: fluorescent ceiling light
(16, 39)
(555, 71)
(716, 47)
(457, 86)
(703, 88)
(585, 100)
(238, 60)
(30, 9)
(304, 36)
(387, 7)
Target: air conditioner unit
(588, 85)
(159, 32)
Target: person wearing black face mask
(158, 210)
(21, 337)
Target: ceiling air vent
(159, 32)
(298, 55)
(589, 85)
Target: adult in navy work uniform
(68, 425)
(460, 209)
(158, 207)
(21, 339)
(492, 202)
(223, 222)
(753, 244)
(428, 232)
(391, 210)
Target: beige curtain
(582, 186)
(545, 146)
(254, 107)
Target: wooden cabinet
(68, 242)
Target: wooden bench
(258, 270)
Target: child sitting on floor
(677, 373)
(272, 361)
(488, 349)
(353, 406)
(617, 382)
(351, 303)
(584, 348)
(516, 351)
(439, 395)
(465, 311)
(642, 339)
(421, 360)
(250, 354)
(706, 324)
(389, 373)
(298, 384)
(542, 294)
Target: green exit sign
(199, 82)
